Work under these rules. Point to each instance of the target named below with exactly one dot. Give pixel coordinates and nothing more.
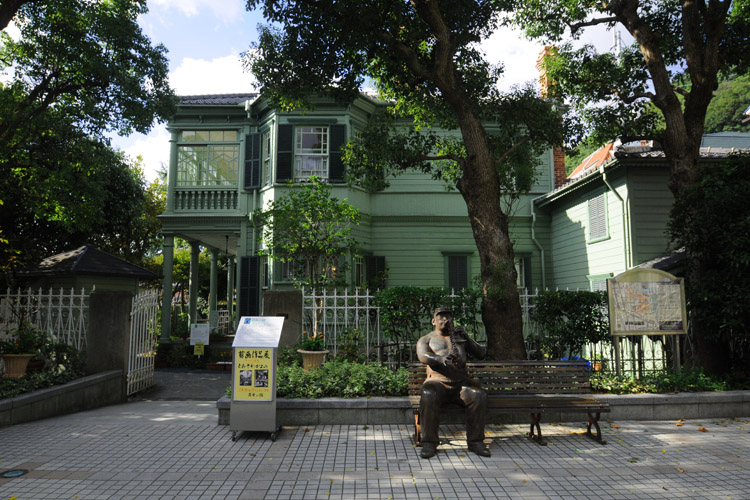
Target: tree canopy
(78, 69)
(310, 230)
(424, 59)
(726, 111)
(660, 87)
(90, 60)
(657, 88)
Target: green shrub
(406, 311)
(685, 380)
(569, 320)
(340, 379)
(63, 363)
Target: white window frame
(197, 155)
(311, 160)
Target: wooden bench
(535, 387)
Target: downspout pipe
(537, 244)
(625, 224)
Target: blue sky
(206, 37)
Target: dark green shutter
(285, 154)
(248, 300)
(336, 165)
(252, 161)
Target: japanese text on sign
(253, 374)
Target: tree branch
(574, 27)
(517, 145)
(629, 99)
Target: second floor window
(311, 152)
(208, 158)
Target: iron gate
(143, 336)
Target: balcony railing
(206, 199)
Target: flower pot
(15, 364)
(312, 359)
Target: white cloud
(152, 148)
(224, 10)
(517, 55)
(222, 75)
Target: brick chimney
(558, 155)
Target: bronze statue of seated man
(444, 352)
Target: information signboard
(646, 302)
(255, 347)
(199, 332)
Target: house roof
(217, 99)
(713, 146)
(87, 260)
(594, 160)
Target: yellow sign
(198, 349)
(253, 374)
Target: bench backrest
(518, 377)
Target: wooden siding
(573, 256)
(650, 202)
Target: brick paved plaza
(176, 450)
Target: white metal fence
(338, 312)
(143, 337)
(62, 314)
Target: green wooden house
(231, 154)
(612, 214)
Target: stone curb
(85, 393)
(397, 410)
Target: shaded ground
(182, 384)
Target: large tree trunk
(480, 188)
(682, 142)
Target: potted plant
(598, 362)
(313, 351)
(18, 349)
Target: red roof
(594, 160)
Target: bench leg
(535, 431)
(417, 428)
(594, 420)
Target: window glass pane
(311, 152)
(188, 135)
(201, 135)
(312, 140)
(230, 136)
(216, 135)
(457, 271)
(190, 162)
(208, 165)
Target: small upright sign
(254, 375)
(199, 332)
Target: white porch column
(230, 288)
(166, 300)
(194, 276)
(213, 281)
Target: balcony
(206, 199)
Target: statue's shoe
(428, 450)
(480, 449)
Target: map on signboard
(646, 306)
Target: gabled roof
(87, 260)
(594, 160)
(217, 99)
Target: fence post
(108, 336)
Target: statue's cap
(443, 310)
